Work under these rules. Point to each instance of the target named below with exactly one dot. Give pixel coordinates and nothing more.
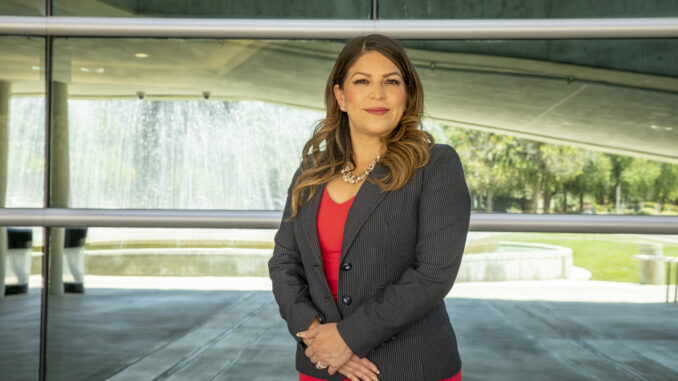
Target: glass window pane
(169, 303)
(602, 302)
(20, 301)
(197, 304)
(22, 129)
(569, 121)
(523, 9)
(22, 121)
(22, 7)
(215, 125)
(265, 9)
(219, 124)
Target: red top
(331, 221)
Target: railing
(250, 219)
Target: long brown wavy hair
(328, 150)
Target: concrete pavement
(128, 328)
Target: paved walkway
(127, 328)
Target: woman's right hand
(357, 369)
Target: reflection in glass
(524, 9)
(544, 127)
(26, 152)
(169, 303)
(20, 302)
(258, 9)
(218, 124)
(204, 130)
(22, 122)
(21, 171)
(206, 154)
(196, 304)
(22, 7)
(596, 257)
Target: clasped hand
(325, 344)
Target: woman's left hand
(327, 346)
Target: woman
(373, 230)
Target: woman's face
(373, 95)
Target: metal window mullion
(44, 298)
(658, 27)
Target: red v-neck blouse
(330, 223)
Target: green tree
(594, 178)
(638, 181)
(500, 165)
(666, 185)
(560, 165)
(489, 162)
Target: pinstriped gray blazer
(400, 255)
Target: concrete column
(60, 189)
(4, 155)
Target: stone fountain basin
(516, 261)
(483, 262)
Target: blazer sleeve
(444, 213)
(290, 286)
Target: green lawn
(608, 257)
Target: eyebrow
(383, 76)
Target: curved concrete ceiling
(607, 110)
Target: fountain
(171, 154)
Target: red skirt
(303, 377)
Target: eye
(393, 81)
(360, 81)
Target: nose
(379, 92)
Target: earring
(342, 108)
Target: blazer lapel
(368, 197)
(309, 215)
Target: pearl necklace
(354, 179)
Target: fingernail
(300, 335)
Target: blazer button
(346, 266)
(346, 300)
